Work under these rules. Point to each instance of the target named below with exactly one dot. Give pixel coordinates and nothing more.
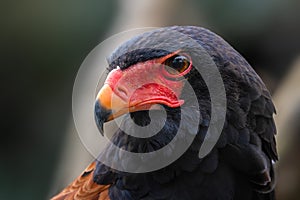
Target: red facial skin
(142, 85)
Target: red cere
(144, 83)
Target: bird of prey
(151, 72)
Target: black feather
(239, 166)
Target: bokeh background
(43, 44)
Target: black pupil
(179, 63)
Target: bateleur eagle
(151, 72)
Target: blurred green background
(43, 44)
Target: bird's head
(144, 85)
(151, 71)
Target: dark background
(43, 44)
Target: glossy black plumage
(240, 164)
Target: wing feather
(84, 188)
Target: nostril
(122, 92)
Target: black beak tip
(101, 116)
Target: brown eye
(176, 64)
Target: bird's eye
(176, 64)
